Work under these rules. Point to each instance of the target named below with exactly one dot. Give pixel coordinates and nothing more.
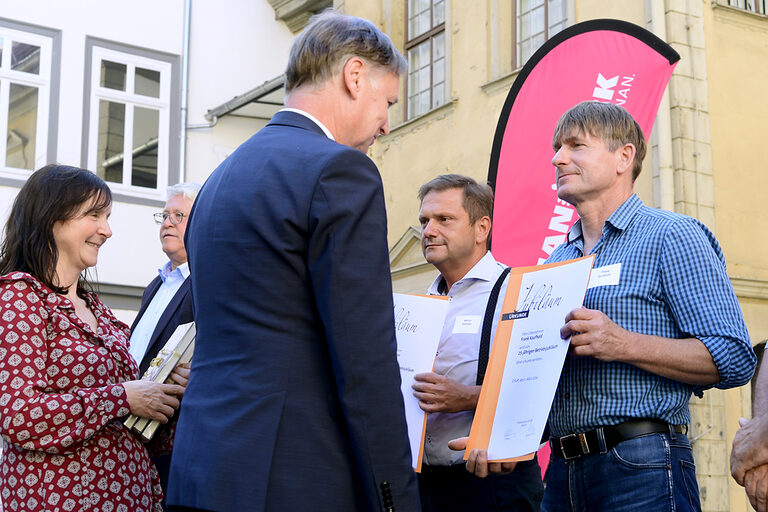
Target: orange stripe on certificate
(482, 425)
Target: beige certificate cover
(178, 349)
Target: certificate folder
(178, 349)
(419, 323)
(526, 359)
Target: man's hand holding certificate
(437, 393)
(526, 359)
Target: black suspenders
(485, 337)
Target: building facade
(123, 90)
(147, 94)
(704, 148)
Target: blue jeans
(654, 472)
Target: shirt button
(567, 396)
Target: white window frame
(754, 6)
(43, 83)
(517, 15)
(413, 42)
(131, 100)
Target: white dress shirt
(172, 281)
(458, 351)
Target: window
(425, 46)
(129, 124)
(758, 6)
(535, 22)
(25, 95)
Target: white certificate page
(418, 325)
(518, 398)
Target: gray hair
(606, 121)
(187, 189)
(329, 41)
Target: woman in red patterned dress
(66, 376)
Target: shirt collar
(575, 232)
(486, 269)
(619, 219)
(312, 118)
(165, 271)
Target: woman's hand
(153, 400)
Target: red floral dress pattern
(64, 448)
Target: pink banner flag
(604, 60)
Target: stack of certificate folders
(177, 350)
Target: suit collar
(290, 118)
(312, 118)
(165, 318)
(149, 292)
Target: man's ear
(353, 74)
(483, 230)
(626, 159)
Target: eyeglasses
(176, 217)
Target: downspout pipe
(184, 92)
(663, 126)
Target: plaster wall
(235, 45)
(737, 63)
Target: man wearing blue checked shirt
(659, 323)
(662, 324)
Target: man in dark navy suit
(167, 301)
(294, 399)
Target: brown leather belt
(574, 446)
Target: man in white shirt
(455, 218)
(167, 301)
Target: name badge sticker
(467, 324)
(605, 276)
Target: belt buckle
(583, 444)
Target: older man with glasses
(167, 301)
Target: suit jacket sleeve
(349, 268)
